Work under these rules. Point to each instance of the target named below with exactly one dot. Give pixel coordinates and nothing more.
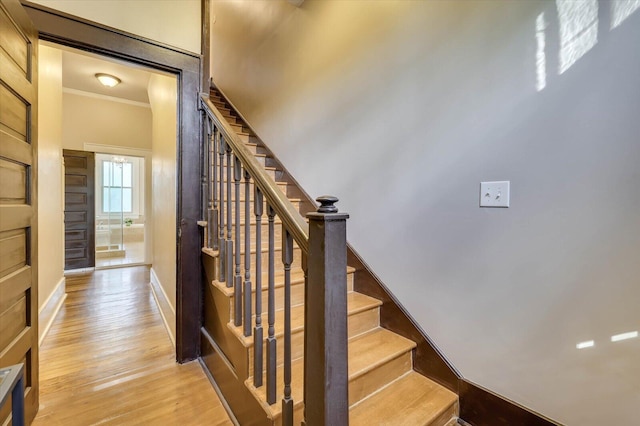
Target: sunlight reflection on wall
(621, 10)
(578, 20)
(541, 58)
(578, 31)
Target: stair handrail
(322, 243)
(290, 216)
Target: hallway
(108, 360)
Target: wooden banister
(291, 218)
(322, 245)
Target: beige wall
(163, 97)
(401, 109)
(173, 22)
(51, 284)
(103, 121)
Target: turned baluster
(247, 254)
(229, 241)
(287, 259)
(222, 258)
(257, 330)
(212, 217)
(237, 287)
(271, 307)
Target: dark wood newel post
(325, 342)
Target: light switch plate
(494, 194)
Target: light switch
(494, 194)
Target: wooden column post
(326, 384)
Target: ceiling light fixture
(108, 80)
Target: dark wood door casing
(79, 209)
(58, 27)
(18, 200)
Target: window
(117, 186)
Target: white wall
(51, 282)
(402, 108)
(163, 97)
(103, 121)
(173, 22)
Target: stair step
(297, 289)
(411, 400)
(362, 317)
(371, 356)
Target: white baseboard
(50, 308)
(167, 312)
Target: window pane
(105, 200)
(117, 174)
(126, 200)
(115, 199)
(127, 172)
(106, 173)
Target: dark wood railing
(227, 163)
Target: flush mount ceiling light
(107, 79)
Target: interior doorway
(120, 189)
(129, 127)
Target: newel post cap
(327, 204)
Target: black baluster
(287, 259)
(271, 307)
(237, 281)
(204, 170)
(212, 218)
(229, 242)
(247, 255)
(222, 257)
(257, 330)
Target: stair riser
(358, 323)
(363, 322)
(368, 383)
(297, 298)
(297, 351)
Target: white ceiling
(79, 69)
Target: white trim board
(52, 305)
(162, 301)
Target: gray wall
(402, 108)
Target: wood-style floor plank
(108, 360)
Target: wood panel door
(79, 209)
(18, 201)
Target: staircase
(383, 387)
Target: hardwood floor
(108, 360)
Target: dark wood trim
(72, 31)
(480, 407)
(205, 69)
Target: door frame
(61, 28)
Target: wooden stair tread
(297, 277)
(366, 352)
(356, 303)
(376, 347)
(411, 400)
